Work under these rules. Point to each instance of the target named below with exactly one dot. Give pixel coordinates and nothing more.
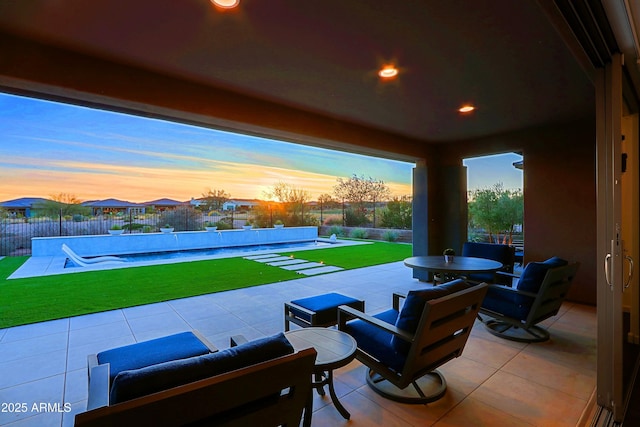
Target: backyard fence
(16, 233)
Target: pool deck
(37, 266)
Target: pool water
(226, 251)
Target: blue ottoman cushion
(325, 306)
(139, 355)
(135, 383)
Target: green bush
(390, 236)
(359, 233)
(355, 218)
(337, 230)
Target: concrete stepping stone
(287, 262)
(302, 266)
(319, 270)
(261, 256)
(268, 260)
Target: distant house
(162, 205)
(23, 206)
(114, 206)
(240, 204)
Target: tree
(325, 201)
(358, 191)
(398, 213)
(214, 200)
(292, 201)
(62, 204)
(497, 211)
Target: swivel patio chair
(402, 345)
(504, 254)
(515, 312)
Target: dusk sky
(49, 148)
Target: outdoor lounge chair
(504, 254)
(261, 382)
(402, 345)
(86, 262)
(538, 295)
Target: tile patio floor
(495, 382)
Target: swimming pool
(200, 253)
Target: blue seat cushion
(377, 342)
(507, 302)
(146, 353)
(534, 273)
(135, 383)
(413, 307)
(325, 306)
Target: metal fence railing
(16, 233)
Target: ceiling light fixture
(388, 72)
(226, 4)
(466, 108)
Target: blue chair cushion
(376, 341)
(135, 383)
(413, 307)
(139, 355)
(496, 252)
(325, 306)
(534, 273)
(511, 304)
(507, 302)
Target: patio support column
(420, 217)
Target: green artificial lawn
(43, 298)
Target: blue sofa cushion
(151, 379)
(376, 341)
(325, 306)
(139, 355)
(413, 307)
(534, 273)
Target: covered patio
(494, 382)
(550, 79)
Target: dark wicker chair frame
(547, 303)
(443, 330)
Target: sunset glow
(48, 148)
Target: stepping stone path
(301, 266)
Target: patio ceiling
(515, 61)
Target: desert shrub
(333, 221)
(224, 223)
(355, 218)
(390, 236)
(397, 214)
(359, 233)
(182, 218)
(338, 231)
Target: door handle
(607, 277)
(630, 275)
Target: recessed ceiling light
(226, 4)
(388, 72)
(466, 108)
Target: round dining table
(460, 265)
